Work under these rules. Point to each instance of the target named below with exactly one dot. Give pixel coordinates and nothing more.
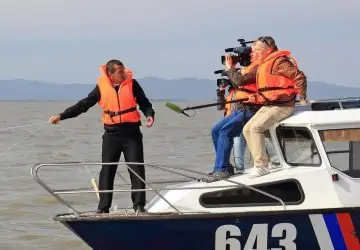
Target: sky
(65, 41)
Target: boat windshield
(342, 147)
(298, 146)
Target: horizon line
(146, 77)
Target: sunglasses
(262, 39)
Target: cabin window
(289, 191)
(298, 146)
(342, 147)
(325, 106)
(349, 104)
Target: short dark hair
(110, 65)
(269, 41)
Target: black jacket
(94, 96)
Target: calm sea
(26, 209)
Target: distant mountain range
(155, 88)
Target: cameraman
(239, 143)
(279, 81)
(231, 126)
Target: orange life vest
(117, 107)
(228, 106)
(241, 92)
(271, 87)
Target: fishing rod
(180, 110)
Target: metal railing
(170, 169)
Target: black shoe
(231, 169)
(139, 209)
(211, 173)
(218, 175)
(102, 211)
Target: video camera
(241, 56)
(242, 53)
(222, 82)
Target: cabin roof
(325, 117)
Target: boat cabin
(319, 150)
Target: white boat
(311, 202)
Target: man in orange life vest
(117, 94)
(239, 142)
(278, 81)
(224, 132)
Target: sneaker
(274, 165)
(217, 175)
(239, 169)
(259, 171)
(209, 174)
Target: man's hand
(150, 121)
(229, 62)
(252, 98)
(55, 119)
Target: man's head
(262, 47)
(116, 71)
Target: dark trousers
(112, 147)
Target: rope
(16, 143)
(92, 177)
(22, 126)
(20, 141)
(82, 159)
(6, 225)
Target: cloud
(108, 17)
(65, 41)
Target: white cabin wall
(316, 184)
(346, 188)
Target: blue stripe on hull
(335, 231)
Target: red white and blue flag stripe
(335, 231)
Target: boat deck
(115, 214)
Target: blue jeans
(223, 134)
(239, 151)
(270, 150)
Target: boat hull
(326, 229)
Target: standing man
(117, 94)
